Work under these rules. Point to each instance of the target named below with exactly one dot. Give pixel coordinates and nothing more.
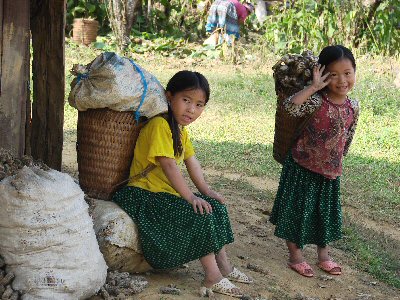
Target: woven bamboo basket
(84, 31)
(287, 128)
(105, 143)
(291, 74)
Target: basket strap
(142, 174)
(150, 167)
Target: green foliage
(151, 42)
(180, 18)
(307, 24)
(313, 24)
(169, 46)
(93, 9)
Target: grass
(235, 134)
(379, 255)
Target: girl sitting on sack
(176, 225)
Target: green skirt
(170, 231)
(307, 207)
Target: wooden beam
(48, 69)
(14, 73)
(1, 38)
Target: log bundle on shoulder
(292, 73)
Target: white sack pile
(117, 83)
(47, 238)
(118, 238)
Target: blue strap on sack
(137, 113)
(81, 76)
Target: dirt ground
(259, 253)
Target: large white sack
(47, 238)
(118, 238)
(118, 83)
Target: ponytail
(176, 132)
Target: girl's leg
(295, 253)
(323, 256)
(212, 272)
(226, 268)
(323, 253)
(223, 263)
(297, 262)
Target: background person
(226, 16)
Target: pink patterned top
(327, 137)
(241, 10)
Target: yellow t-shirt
(155, 139)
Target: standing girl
(176, 225)
(307, 207)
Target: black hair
(331, 54)
(184, 81)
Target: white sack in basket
(118, 238)
(47, 238)
(117, 83)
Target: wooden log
(7, 293)
(47, 27)
(7, 279)
(14, 73)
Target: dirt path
(259, 253)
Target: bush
(314, 24)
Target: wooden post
(48, 69)
(14, 73)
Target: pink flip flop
(302, 268)
(330, 267)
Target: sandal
(224, 286)
(302, 268)
(239, 276)
(330, 267)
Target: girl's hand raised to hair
(320, 81)
(200, 205)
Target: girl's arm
(319, 82)
(174, 175)
(196, 174)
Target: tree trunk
(362, 23)
(14, 74)
(47, 28)
(121, 14)
(148, 10)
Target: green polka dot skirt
(171, 232)
(307, 207)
